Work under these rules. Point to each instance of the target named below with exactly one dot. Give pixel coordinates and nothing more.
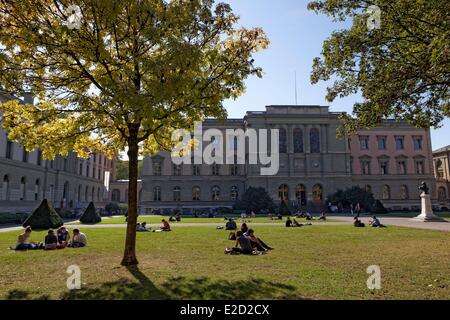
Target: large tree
(125, 77)
(400, 64)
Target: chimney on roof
(28, 98)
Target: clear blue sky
(296, 37)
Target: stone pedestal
(427, 214)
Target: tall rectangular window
(177, 170)
(39, 158)
(25, 155)
(9, 149)
(420, 167)
(157, 169)
(365, 167)
(402, 167)
(215, 170)
(417, 143)
(364, 142)
(196, 170)
(384, 167)
(382, 143)
(400, 143)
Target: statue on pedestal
(424, 188)
(427, 214)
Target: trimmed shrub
(378, 207)
(90, 216)
(44, 217)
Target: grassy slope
(312, 262)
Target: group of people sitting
(375, 222)
(246, 242)
(52, 241)
(294, 223)
(142, 227)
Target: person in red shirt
(166, 225)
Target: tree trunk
(129, 256)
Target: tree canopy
(402, 68)
(256, 200)
(126, 73)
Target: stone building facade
(441, 165)
(391, 161)
(313, 164)
(68, 182)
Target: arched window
(93, 194)
(283, 140)
(283, 192)
(404, 193)
(234, 194)
(196, 193)
(23, 188)
(37, 190)
(157, 194)
(298, 140)
(215, 193)
(86, 192)
(317, 192)
(5, 188)
(386, 192)
(314, 140)
(300, 194)
(177, 194)
(442, 194)
(115, 195)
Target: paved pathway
(399, 222)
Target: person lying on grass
(243, 245)
(79, 239)
(323, 216)
(23, 241)
(257, 243)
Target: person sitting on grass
(257, 243)
(243, 245)
(232, 236)
(51, 240)
(358, 223)
(178, 217)
(288, 223)
(375, 222)
(231, 225)
(142, 227)
(165, 226)
(295, 223)
(244, 228)
(323, 216)
(172, 219)
(79, 239)
(63, 236)
(23, 241)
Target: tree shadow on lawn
(183, 288)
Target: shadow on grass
(24, 295)
(184, 288)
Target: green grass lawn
(318, 262)
(218, 221)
